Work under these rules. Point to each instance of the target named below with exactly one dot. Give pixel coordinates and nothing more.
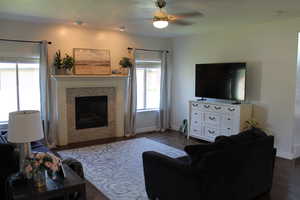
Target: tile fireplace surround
(64, 90)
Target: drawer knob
(211, 132)
(217, 107)
(228, 119)
(195, 105)
(206, 106)
(195, 122)
(228, 128)
(195, 113)
(212, 118)
(231, 109)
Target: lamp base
(25, 151)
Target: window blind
(148, 56)
(19, 52)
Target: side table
(60, 189)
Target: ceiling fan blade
(189, 14)
(182, 23)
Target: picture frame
(92, 61)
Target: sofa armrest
(75, 165)
(9, 160)
(168, 178)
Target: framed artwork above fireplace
(92, 61)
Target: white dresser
(208, 120)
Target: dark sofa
(238, 167)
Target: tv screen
(221, 81)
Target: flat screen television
(221, 81)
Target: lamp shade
(25, 126)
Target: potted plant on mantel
(126, 65)
(63, 65)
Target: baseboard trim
(285, 155)
(146, 129)
(175, 127)
(297, 151)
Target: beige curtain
(130, 112)
(164, 109)
(45, 94)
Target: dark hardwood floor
(286, 182)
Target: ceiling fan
(162, 19)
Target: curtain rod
(8, 40)
(130, 48)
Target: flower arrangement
(40, 161)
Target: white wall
(270, 51)
(66, 38)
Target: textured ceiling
(133, 14)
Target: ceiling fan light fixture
(160, 24)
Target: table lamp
(24, 127)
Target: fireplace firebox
(91, 112)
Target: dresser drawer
(212, 108)
(228, 121)
(205, 107)
(195, 106)
(196, 131)
(211, 132)
(232, 110)
(212, 118)
(225, 132)
(195, 123)
(197, 115)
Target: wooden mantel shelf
(89, 76)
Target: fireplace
(91, 112)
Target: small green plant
(125, 62)
(57, 60)
(68, 62)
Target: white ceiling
(132, 14)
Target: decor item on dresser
(24, 127)
(38, 164)
(233, 167)
(254, 124)
(125, 64)
(63, 65)
(92, 61)
(211, 119)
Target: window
(19, 88)
(148, 84)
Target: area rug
(116, 169)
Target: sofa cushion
(196, 152)
(245, 136)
